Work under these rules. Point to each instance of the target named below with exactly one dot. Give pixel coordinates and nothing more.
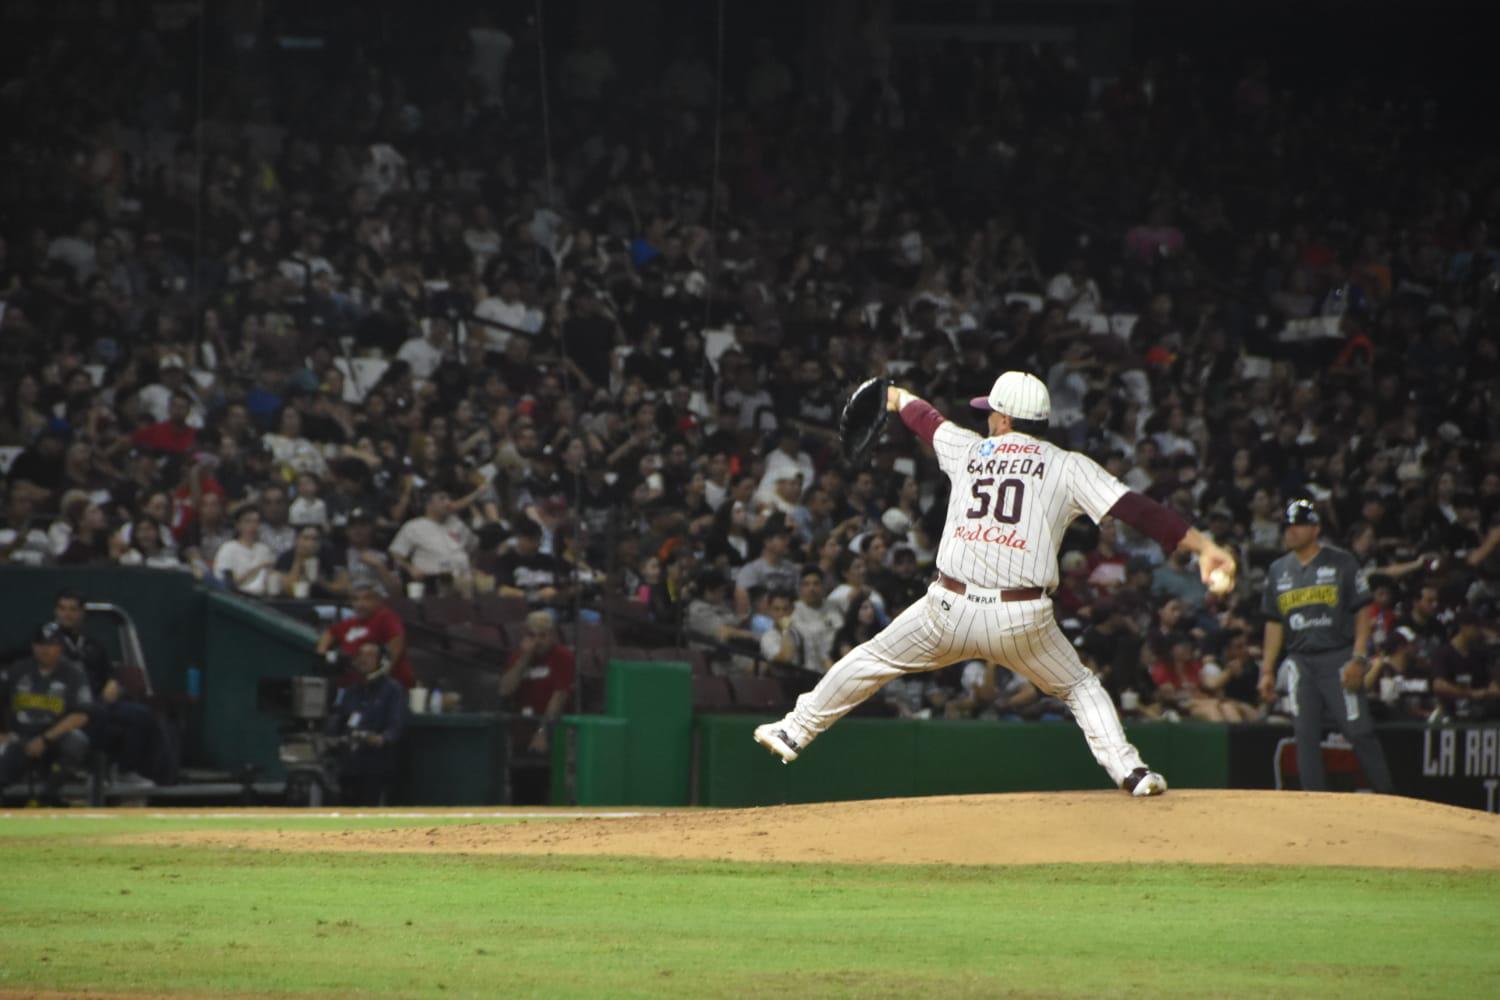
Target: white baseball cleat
(1143, 781)
(773, 737)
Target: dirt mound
(1214, 827)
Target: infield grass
(79, 912)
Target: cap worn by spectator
(896, 521)
(1398, 638)
(47, 634)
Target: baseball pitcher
(1013, 495)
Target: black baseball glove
(863, 419)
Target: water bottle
(194, 683)
(435, 705)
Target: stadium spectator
(172, 434)
(372, 621)
(537, 683)
(815, 620)
(1463, 676)
(711, 622)
(1399, 684)
(526, 571)
(309, 569)
(245, 563)
(434, 546)
(772, 569)
(363, 564)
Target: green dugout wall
(884, 758)
(234, 643)
(167, 609)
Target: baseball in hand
(1221, 581)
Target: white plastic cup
(416, 700)
(416, 589)
(301, 588)
(1130, 700)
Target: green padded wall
(656, 699)
(589, 761)
(452, 760)
(883, 758)
(245, 643)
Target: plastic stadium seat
(590, 662)
(497, 610)
(712, 694)
(696, 658)
(405, 608)
(448, 610)
(488, 634)
(514, 633)
(592, 635)
(759, 693)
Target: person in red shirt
(372, 622)
(539, 677)
(1106, 562)
(187, 497)
(172, 435)
(1175, 675)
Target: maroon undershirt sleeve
(1162, 524)
(922, 419)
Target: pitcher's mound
(1205, 827)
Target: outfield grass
(77, 912)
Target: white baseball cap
(1017, 395)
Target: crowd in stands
(382, 327)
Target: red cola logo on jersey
(994, 534)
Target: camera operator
(372, 714)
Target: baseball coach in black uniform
(1317, 607)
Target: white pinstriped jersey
(1012, 497)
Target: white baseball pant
(945, 628)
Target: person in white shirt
(308, 508)
(816, 620)
(156, 398)
(507, 308)
(435, 545)
(787, 458)
(1075, 289)
(245, 562)
(424, 354)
